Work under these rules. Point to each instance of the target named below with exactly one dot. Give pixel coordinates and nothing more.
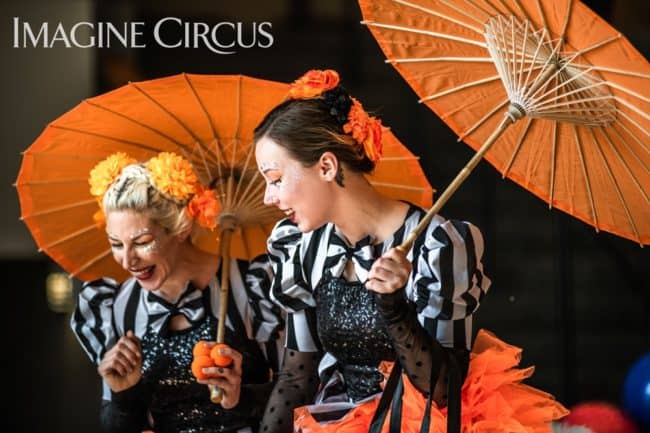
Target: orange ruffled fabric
(493, 400)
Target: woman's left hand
(226, 378)
(390, 272)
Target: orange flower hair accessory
(204, 207)
(365, 129)
(313, 84)
(170, 174)
(105, 172)
(173, 176)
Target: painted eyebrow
(269, 166)
(114, 238)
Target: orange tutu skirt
(493, 400)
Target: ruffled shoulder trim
(290, 288)
(92, 321)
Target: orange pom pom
(219, 359)
(201, 348)
(313, 84)
(200, 362)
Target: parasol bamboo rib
(585, 176)
(567, 18)
(65, 156)
(252, 191)
(245, 242)
(183, 147)
(48, 182)
(244, 170)
(213, 130)
(629, 148)
(639, 142)
(68, 237)
(440, 15)
(398, 186)
(597, 45)
(428, 33)
(462, 11)
(564, 95)
(517, 148)
(553, 164)
(59, 208)
(482, 120)
(633, 122)
(479, 8)
(542, 15)
(508, 11)
(171, 115)
(523, 10)
(442, 59)
(624, 164)
(523, 56)
(632, 107)
(399, 158)
(89, 263)
(613, 70)
(629, 92)
(616, 186)
(106, 137)
(464, 86)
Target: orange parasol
(580, 89)
(207, 119)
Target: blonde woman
(141, 332)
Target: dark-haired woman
(356, 303)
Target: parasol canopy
(548, 92)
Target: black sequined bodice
(179, 403)
(350, 328)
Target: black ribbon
(394, 390)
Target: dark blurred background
(578, 302)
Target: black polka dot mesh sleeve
(417, 351)
(296, 385)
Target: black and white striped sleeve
(266, 317)
(290, 288)
(447, 282)
(92, 321)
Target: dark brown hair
(307, 128)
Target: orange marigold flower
(365, 130)
(313, 83)
(105, 172)
(204, 208)
(372, 144)
(173, 176)
(99, 219)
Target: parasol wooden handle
(453, 186)
(216, 393)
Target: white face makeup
(139, 233)
(151, 247)
(296, 190)
(270, 165)
(141, 247)
(294, 177)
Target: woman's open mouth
(143, 274)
